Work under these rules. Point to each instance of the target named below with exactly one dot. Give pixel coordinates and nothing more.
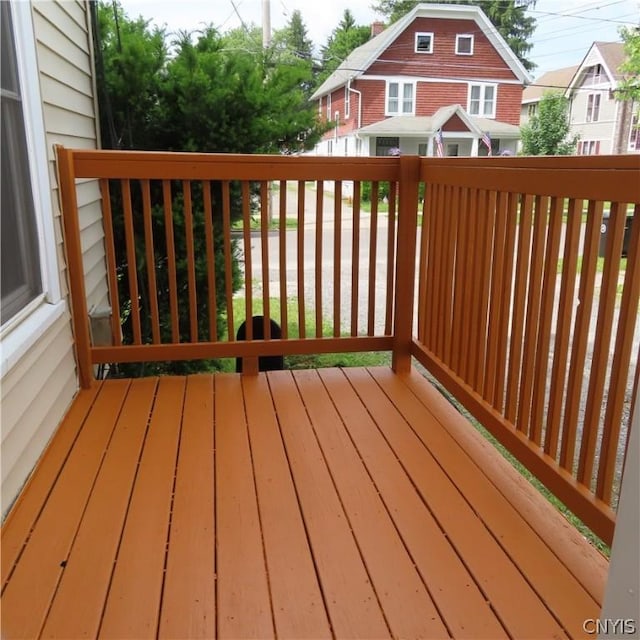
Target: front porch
(342, 502)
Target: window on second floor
(400, 99)
(532, 109)
(424, 42)
(594, 75)
(593, 107)
(482, 100)
(347, 101)
(464, 44)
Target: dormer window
(464, 44)
(594, 75)
(424, 42)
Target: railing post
(75, 269)
(405, 263)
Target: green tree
(629, 87)
(294, 38)
(215, 93)
(508, 16)
(547, 132)
(346, 37)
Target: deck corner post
(75, 268)
(409, 178)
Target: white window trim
(23, 330)
(596, 96)
(424, 33)
(401, 84)
(483, 86)
(464, 35)
(347, 101)
(631, 147)
(329, 114)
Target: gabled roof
(609, 54)
(360, 59)
(420, 126)
(558, 79)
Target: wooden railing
(516, 314)
(170, 246)
(523, 322)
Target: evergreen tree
(346, 37)
(508, 16)
(547, 132)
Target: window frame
(594, 102)
(400, 97)
(464, 35)
(19, 333)
(633, 144)
(592, 147)
(329, 114)
(347, 102)
(482, 99)
(431, 41)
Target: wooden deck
(343, 503)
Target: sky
(566, 28)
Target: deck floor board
(308, 504)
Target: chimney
(376, 28)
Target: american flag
(439, 145)
(486, 140)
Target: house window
(424, 42)
(634, 133)
(329, 106)
(453, 150)
(464, 45)
(347, 101)
(594, 75)
(422, 149)
(384, 145)
(532, 109)
(21, 281)
(320, 106)
(589, 147)
(400, 98)
(593, 107)
(482, 100)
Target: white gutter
(359, 101)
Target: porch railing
(516, 314)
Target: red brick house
(440, 79)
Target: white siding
(38, 389)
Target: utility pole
(266, 23)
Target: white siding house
(48, 95)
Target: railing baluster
(211, 261)
(355, 258)
(499, 286)
(519, 304)
(228, 257)
(460, 283)
(373, 253)
(132, 267)
(264, 238)
(441, 277)
(191, 262)
(523, 421)
(450, 265)
(391, 256)
(422, 265)
(248, 267)
(620, 365)
(337, 255)
(613, 251)
(546, 318)
(318, 275)
(563, 326)
(581, 335)
(114, 295)
(300, 257)
(172, 279)
(151, 261)
(282, 234)
(468, 283)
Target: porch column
(474, 146)
(429, 146)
